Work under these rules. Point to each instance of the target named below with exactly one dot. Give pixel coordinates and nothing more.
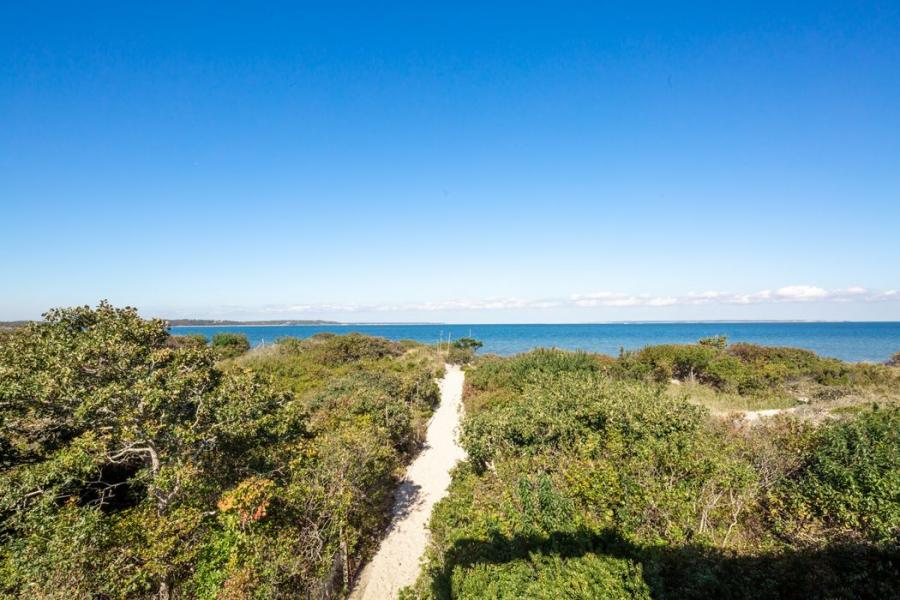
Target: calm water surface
(848, 341)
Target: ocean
(870, 341)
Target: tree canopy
(135, 467)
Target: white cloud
(801, 292)
(786, 294)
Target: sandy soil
(396, 564)
(756, 415)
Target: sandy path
(396, 564)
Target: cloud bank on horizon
(792, 294)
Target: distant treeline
(215, 322)
(10, 325)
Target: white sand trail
(396, 564)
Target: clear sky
(512, 162)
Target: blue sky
(518, 162)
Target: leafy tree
(467, 342)
(133, 465)
(111, 432)
(462, 351)
(229, 345)
(718, 342)
(194, 340)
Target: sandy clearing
(750, 416)
(754, 415)
(396, 564)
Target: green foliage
(107, 427)
(462, 351)
(549, 576)
(132, 466)
(396, 404)
(229, 345)
(747, 368)
(194, 340)
(586, 478)
(719, 342)
(513, 373)
(850, 481)
(555, 411)
(343, 349)
(467, 342)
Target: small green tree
(229, 345)
(194, 340)
(462, 351)
(718, 342)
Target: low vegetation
(229, 345)
(135, 465)
(594, 477)
(463, 350)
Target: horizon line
(293, 323)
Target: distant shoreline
(291, 324)
(182, 323)
(217, 323)
(299, 323)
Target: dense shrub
(117, 444)
(338, 350)
(555, 411)
(514, 372)
(587, 479)
(706, 363)
(718, 342)
(462, 351)
(395, 404)
(186, 341)
(850, 480)
(550, 576)
(229, 345)
(135, 467)
(746, 368)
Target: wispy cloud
(786, 294)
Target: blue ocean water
(869, 341)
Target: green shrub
(586, 478)
(746, 368)
(719, 342)
(337, 350)
(513, 373)
(462, 351)
(135, 467)
(116, 446)
(549, 576)
(194, 340)
(394, 403)
(851, 477)
(229, 345)
(667, 361)
(555, 410)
